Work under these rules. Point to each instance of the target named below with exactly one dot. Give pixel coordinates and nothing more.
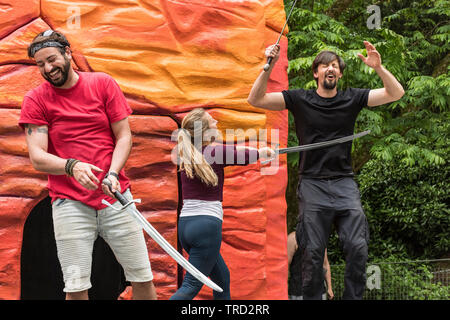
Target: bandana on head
(46, 44)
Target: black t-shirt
(319, 119)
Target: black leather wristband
(70, 163)
(66, 168)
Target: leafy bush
(402, 167)
(406, 207)
(390, 280)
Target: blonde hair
(191, 159)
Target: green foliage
(423, 139)
(412, 42)
(403, 166)
(291, 191)
(406, 208)
(398, 281)
(404, 189)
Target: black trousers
(323, 203)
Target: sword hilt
(121, 208)
(117, 194)
(267, 65)
(274, 156)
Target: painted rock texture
(168, 58)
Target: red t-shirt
(79, 126)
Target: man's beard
(329, 85)
(64, 74)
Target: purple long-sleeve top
(218, 157)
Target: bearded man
(77, 131)
(327, 192)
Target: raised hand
(273, 52)
(373, 59)
(266, 153)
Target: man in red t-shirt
(77, 131)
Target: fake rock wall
(168, 57)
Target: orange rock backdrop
(168, 57)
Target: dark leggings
(201, 237)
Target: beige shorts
(77, 227)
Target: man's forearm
(121, 154)
(48, 163)
(259, 88)
(390, 83)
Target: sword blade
(324, 144)
(285, 23)
(159, 239)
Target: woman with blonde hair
(202, 165)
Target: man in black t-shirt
(327, 192)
